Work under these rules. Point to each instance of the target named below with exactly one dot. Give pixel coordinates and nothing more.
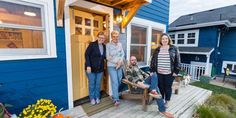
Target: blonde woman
(115, 56)
(165, 61)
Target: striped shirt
(163, 66)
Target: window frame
(47, 28)
(140, 45)
(186, 32)
(149, 25)
(224, 65)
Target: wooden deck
(181, 105)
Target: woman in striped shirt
(165, 61)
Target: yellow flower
(43, 108)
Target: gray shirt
(116, 52)
(100, 48)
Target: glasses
(102, 37)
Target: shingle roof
(218, 14)
(194, 49)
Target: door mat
(105, 103)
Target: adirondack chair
(135, 91)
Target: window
(180, 39)
(138, 46)
(142, 36)
(172, 36)
(191, 38)
(185, 38)
(231, 65)
(27, 28)
(156, 34)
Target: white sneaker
(98, 101)
(92, 102)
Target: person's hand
(88, 69)
(151, 73)
(118, 64)
(174, 74)
(109, 57)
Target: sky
(183, 7)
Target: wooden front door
(84, 28)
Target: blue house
(207, 39)
(42, 52)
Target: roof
(227, 13)
(195, 50)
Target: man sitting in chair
(135, 75)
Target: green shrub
(218, 106)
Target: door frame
(87, 5)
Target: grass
(216, 89)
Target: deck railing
(194, 70)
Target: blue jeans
(153, 82)
(115, 76)
(94, 84)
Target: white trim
(15, 26)
(223, 22)
(149, 1)
(49, 37)
(87, 5)
(147, 24)
(224, 65)
(196, 31)
(201, 53)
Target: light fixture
(27, 13)
(119, 18)
(0, 22)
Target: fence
(194, 70)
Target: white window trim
(149, 25)
(224, 65)
(186, 37)
(47, 19)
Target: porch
(181, 105)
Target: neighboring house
(39, 59)
(207, 39)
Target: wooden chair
(135, 91)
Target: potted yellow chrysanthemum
(42, 109)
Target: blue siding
(25, 81)
(227, 47)
(157, 11)
(208, 37)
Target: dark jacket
(93, 57)
(174, 59)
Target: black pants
(165, 83)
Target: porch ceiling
(131, 6)
(120, 4)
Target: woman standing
(115, 56)
(165, 61)
(95, 56)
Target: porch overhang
(128, 8)
(196, 50)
